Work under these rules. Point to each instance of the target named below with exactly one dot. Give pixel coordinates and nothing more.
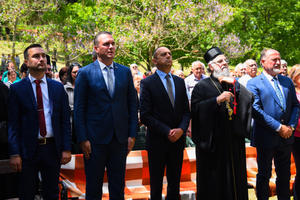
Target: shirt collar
(162, 74)
(102, 65)
(32, 79)
(269, 77)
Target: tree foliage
(268, 24)
(188, 27)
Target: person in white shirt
(251, 71)
(283, 68)
(198, 72)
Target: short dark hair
(100, 33)
(69, 72)
(11, 71)
(29, 47)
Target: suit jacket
(23, 124)
(268, 113)
(97, 115)
(157, 112)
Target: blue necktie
(110, 82)
(279, 93)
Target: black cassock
(220, 142)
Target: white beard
(276, 71)
(221, 73)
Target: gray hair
(195, 63)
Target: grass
(6, 48)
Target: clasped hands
(175, 134)
(285, 131)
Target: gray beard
(221, 73)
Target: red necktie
(40, 108)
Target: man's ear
(210, 67)
(26, 61)
(154, 61)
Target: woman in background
(69, 87)
(63, 75)
(295, 76)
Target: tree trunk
(67, 56)
(14, 44)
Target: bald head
(251, 67)
(162, 58)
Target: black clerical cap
(212, 53)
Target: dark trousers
(47, 162)
(113, 157)
(296, 154)
(282, 162)
(169, 156)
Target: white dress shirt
(190, 83)
(46, 104)
(104, 72)
(244, 79)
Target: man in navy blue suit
(275, 113)
(38, 127)
(165, 112)
(105, 114)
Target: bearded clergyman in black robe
(221, 119)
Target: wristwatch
(293, 129)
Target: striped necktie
(279, 93)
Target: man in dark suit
(275, 113)
(105, 114)
(165, 112)
(38, 127)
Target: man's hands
(225, 96)
(16, 163)
(131, 141)
(86, 149)
(65, 157)
(175, 134)
(285, 131)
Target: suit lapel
(163, 89)
(283, 86)
(99, 76)
(270, 88)
(51, 91)
(118, 77)
(29, 88)
(176, 89)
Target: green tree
(188, 28)
(267, 24)
(16, 12)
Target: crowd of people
(98, 109)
